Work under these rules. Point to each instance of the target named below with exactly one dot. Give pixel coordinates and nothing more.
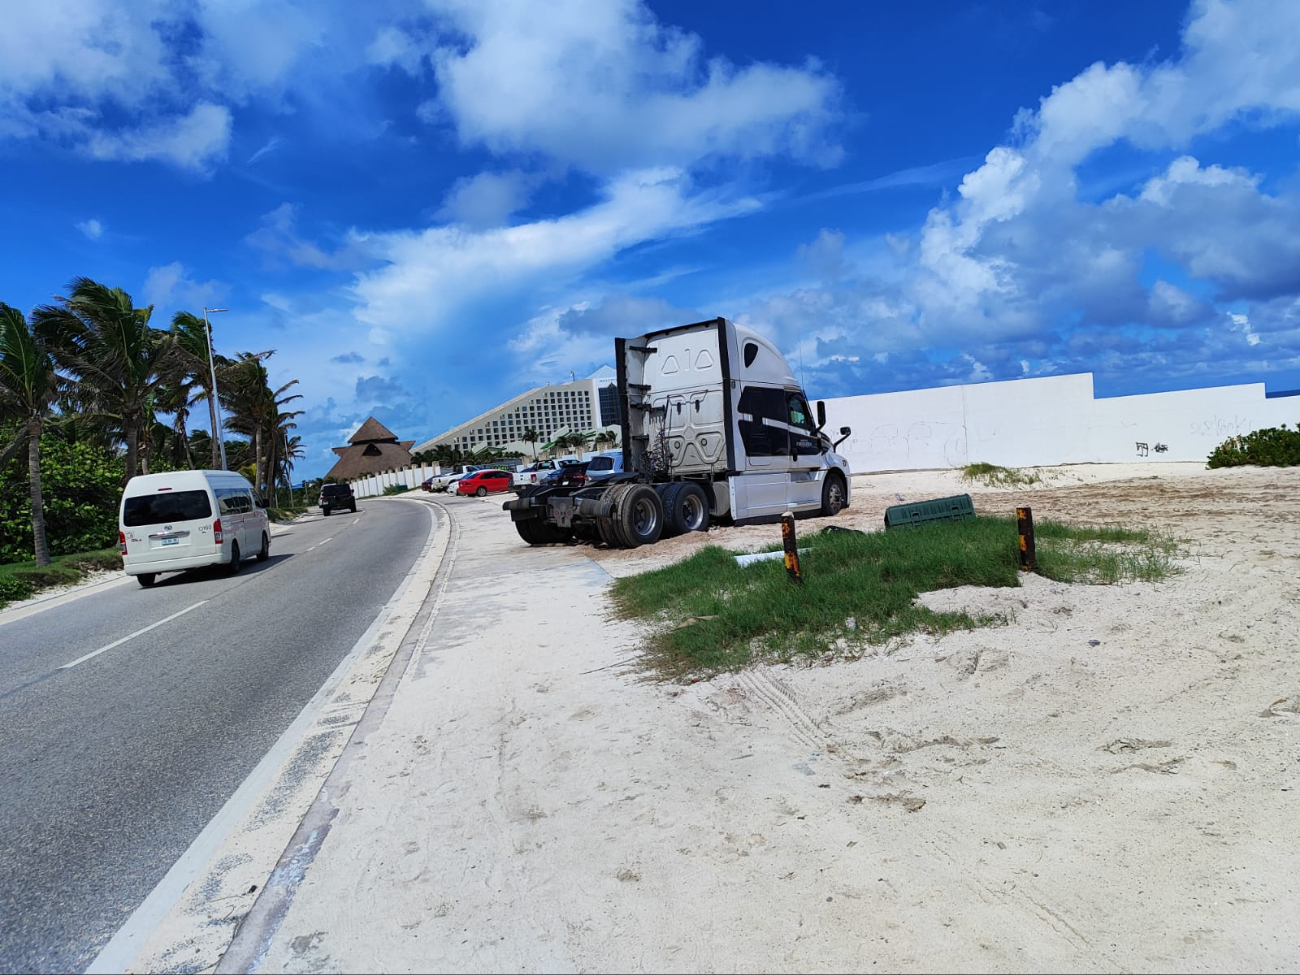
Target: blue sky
(427, 206)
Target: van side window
(756, 405)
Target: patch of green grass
(711, 615)
(994, 476)
(21, 580)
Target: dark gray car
(335, 497)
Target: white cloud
(92, 228)
(602, 85)
(1241, 323)
(986, 266)
(486, 200)
(169, 288)
(429, 274)
(279, 239)
(154, 80)
(192, 141)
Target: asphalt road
(110, 768)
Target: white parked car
(446, 481)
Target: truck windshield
(157, 509)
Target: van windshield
(157, 509)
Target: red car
(485, 482)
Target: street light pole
(216, 400)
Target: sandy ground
(1111, 782)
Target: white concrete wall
(1039, 422)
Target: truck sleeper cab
(190, 519)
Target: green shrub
(395, 489)
(1270, 447)
(14, 588)
(80, 488)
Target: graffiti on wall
(1220, 426)
(921, 441)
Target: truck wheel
(833, 494)
(640, 515)
(147, 579)
(686, 509)
(605, 526)
(528, 531)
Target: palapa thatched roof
(373, 448)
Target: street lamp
(216, 400)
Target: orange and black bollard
(792, 566)
(1025, 525)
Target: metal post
(788, 541)
(1025, 525)
(216, 400)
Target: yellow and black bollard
(792, 566)
(1025, 525)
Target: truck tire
(686, 509)
(147, 579)
(640, 519)
(605, 526)
(833, 494)
(534, 531)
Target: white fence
(1037, 422)
(411, 477)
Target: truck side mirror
(821, 414)
(844, 435)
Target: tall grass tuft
(712, 615)
(993, 475)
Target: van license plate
(171, 541)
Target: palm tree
(29, 387)
(255, 409)
(118, 360)
(190, 335)
(532, 436)
(606, 437)
(578, 441)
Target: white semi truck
(715, 428)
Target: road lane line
(132, 636)
(318, 544)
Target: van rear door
(169, 522)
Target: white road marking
(118, 643)
(330, 539)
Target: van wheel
(147, 579)
(264, 552)
(686, 509)
(833, 494)
(234, 559)
(325, 512)
(640, 516)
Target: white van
(189, 519)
